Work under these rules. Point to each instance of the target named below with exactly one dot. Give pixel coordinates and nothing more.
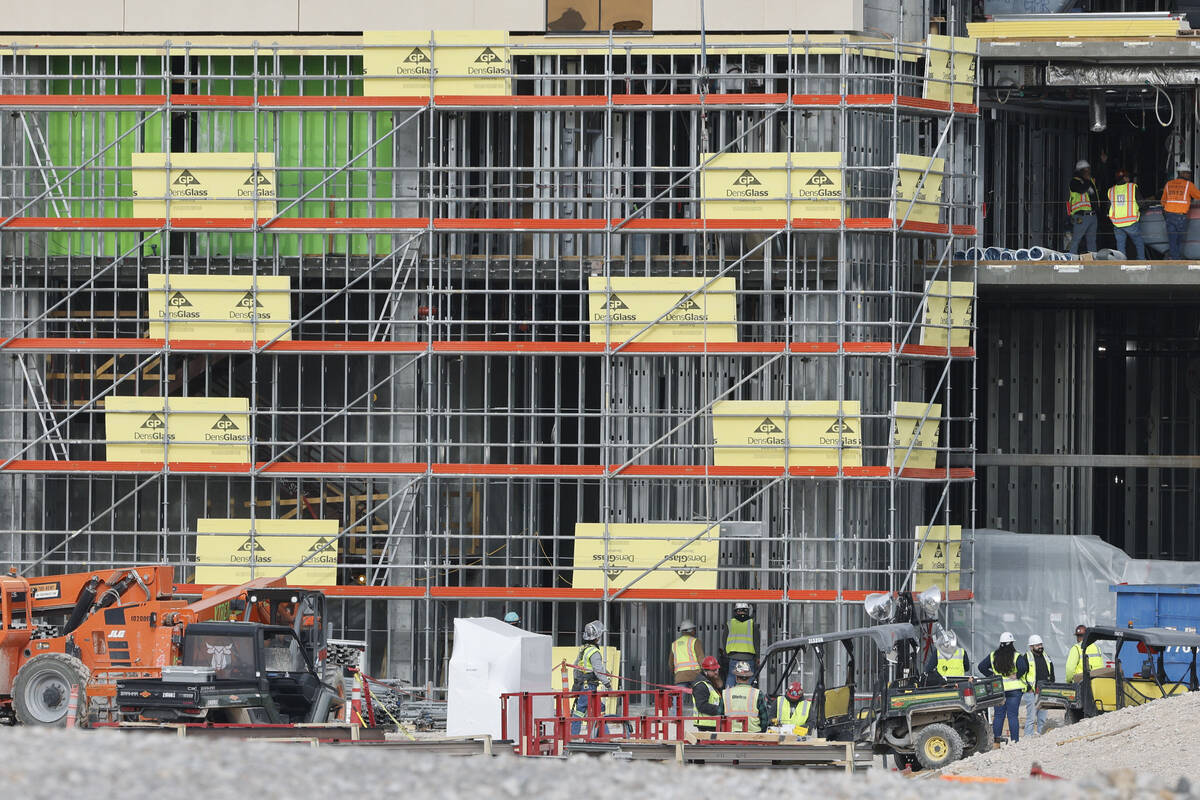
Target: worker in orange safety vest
(1177, 197)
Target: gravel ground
(1163, 744)
(59, 765)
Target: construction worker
(512, 618)
(685, 657)
(1177, 199)
(791, 709)
(1124, 211)
(590, 672)
(706, 695)
(1034, 666)
(744, 700)
(1095, 658)
(1083, 200)
(947, 659)
(1003, 662)
(740, 636)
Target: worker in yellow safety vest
(1034, 667)
(1083, 200)
(1095, 659)
(590, 671)
(947, 660)
(1124, 211)
(1003, 662)
(744, 700)
(740, 638)
(791, 709)
(706, 695)
(684, 659)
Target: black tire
(938, 745)
(981, 733)
(1072, 715)
(905, 761)
(42, 688)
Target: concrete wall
(322, 16)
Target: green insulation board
(309, 146)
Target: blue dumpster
(1158, 605)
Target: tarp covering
(491, 658)
(1047, 584)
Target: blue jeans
(1010, 709)
(581, 710)
(733, 659)
(1035, 718)
(1134, 232)
(1083, 226)
(1176, 232)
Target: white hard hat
(1183, 166)
(740, 606)
(1007, 637)
(593, 630)
(742, 668)
(687, 625)
(1082, 164)
(1034, 639)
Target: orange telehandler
(91, 630)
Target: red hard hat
(710, 662)
(795, 691)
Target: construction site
(352, 330)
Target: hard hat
(741, 606)
(687, 625)
(1122, 174)
(1007, 637)
(946, 643)
(512, 617)
(710, 663)
(1183, 166)
(795, 691)
(593, 630)
(1034, 639)
(1082, 164)
(742, 668)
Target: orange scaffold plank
(321, 102)
(50, 344)
(581, 471)
(367, 224)
(569, 593)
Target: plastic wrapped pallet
(1047, 584)
(491, 658)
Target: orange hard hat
(795, 691)
(710, 662)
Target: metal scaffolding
(440, 388)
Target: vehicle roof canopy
(884, 637)
(1154, 637)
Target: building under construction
(609, 312)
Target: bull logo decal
(220, 655)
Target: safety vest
(1177, 196)
(684, 651)
(584, 673)
(790, 716)
(1011, 681)
(741, 700)
(1031, 673)
(705, 724)
(952, 667)
(1123, 207)
(1080, 201)
(741, 637)
(1095, 658)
